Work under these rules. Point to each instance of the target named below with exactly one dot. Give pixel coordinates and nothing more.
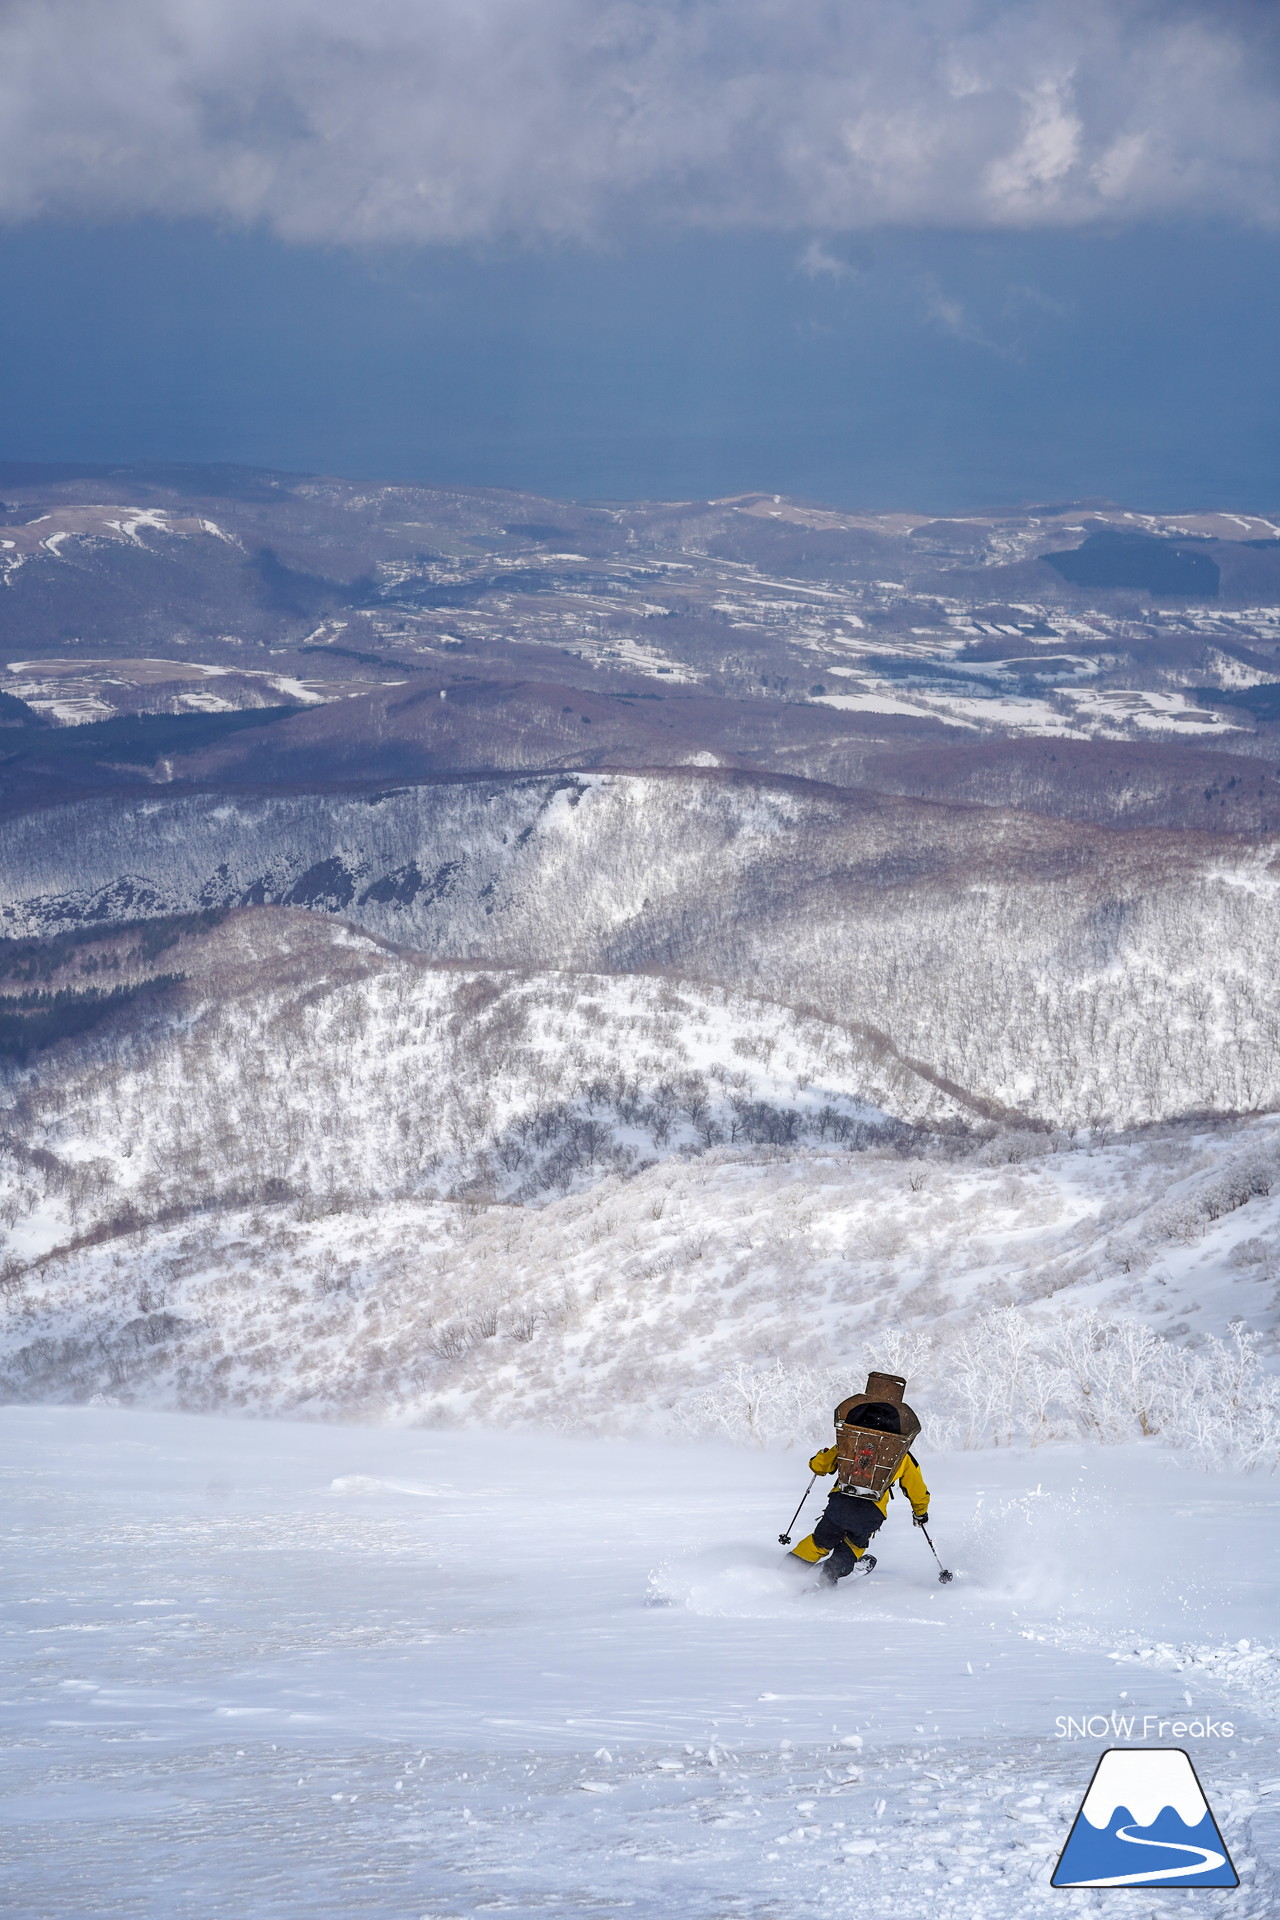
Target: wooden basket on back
(867, 1460)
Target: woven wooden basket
(866, 1459)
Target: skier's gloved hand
(919, 1519)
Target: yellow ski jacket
(908, 1476)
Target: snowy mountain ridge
(1071, 976)
(319, 1175)
(309, 1172)
(714, 844)
(451, 1081)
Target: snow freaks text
(1132, 1726)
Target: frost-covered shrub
(1182, 1221)
(1132, 1253)
(1185, 1218)
(1252, 1252)
(741, 1291)
(763, 1406)
(1077, 1374)
(1012, 1146)
(1235, 1187)
(1018, 1377)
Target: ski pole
(944, 1573)
(784, 1539)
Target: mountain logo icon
(1145, 1823)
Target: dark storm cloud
(422, 120)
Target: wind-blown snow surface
(277, 1672)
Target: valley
(509, 1008)
(437, 923)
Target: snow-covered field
(262, 1669)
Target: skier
(874, 1430)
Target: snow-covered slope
(291, 1057)
(315, 1173)
(1066, 973)
(260, 1672)
(730, 1292)
(307, 1171)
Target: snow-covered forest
(307, 1173)
(1070, 975)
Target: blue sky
(883, 253)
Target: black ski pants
(846, 1523)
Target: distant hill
(460, 949)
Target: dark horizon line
(50, 472)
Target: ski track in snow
(266, 1669)
(1244, 1671)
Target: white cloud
(1045, 156)
(1013, 315)
(356, 120)
(818, 260)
